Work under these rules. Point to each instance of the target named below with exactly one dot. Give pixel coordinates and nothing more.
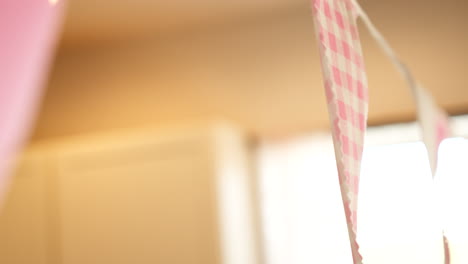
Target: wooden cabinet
(175, 196)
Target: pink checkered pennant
(346, 90)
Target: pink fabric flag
(28, 30)
(433, 120)
(346, 88)
(434, 123)
(435, 128)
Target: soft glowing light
(401, 210)
(53, 2)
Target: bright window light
(401, 209)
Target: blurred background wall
(128, 163)
(134, 63)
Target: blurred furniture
(181, 195)
(23, 226)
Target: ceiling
(137, 63)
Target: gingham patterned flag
(346, 91)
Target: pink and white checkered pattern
(347, 97)
(346, 90)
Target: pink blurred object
(28, 33)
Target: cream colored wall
(175, 195)
(151, 203)
(263, 74)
